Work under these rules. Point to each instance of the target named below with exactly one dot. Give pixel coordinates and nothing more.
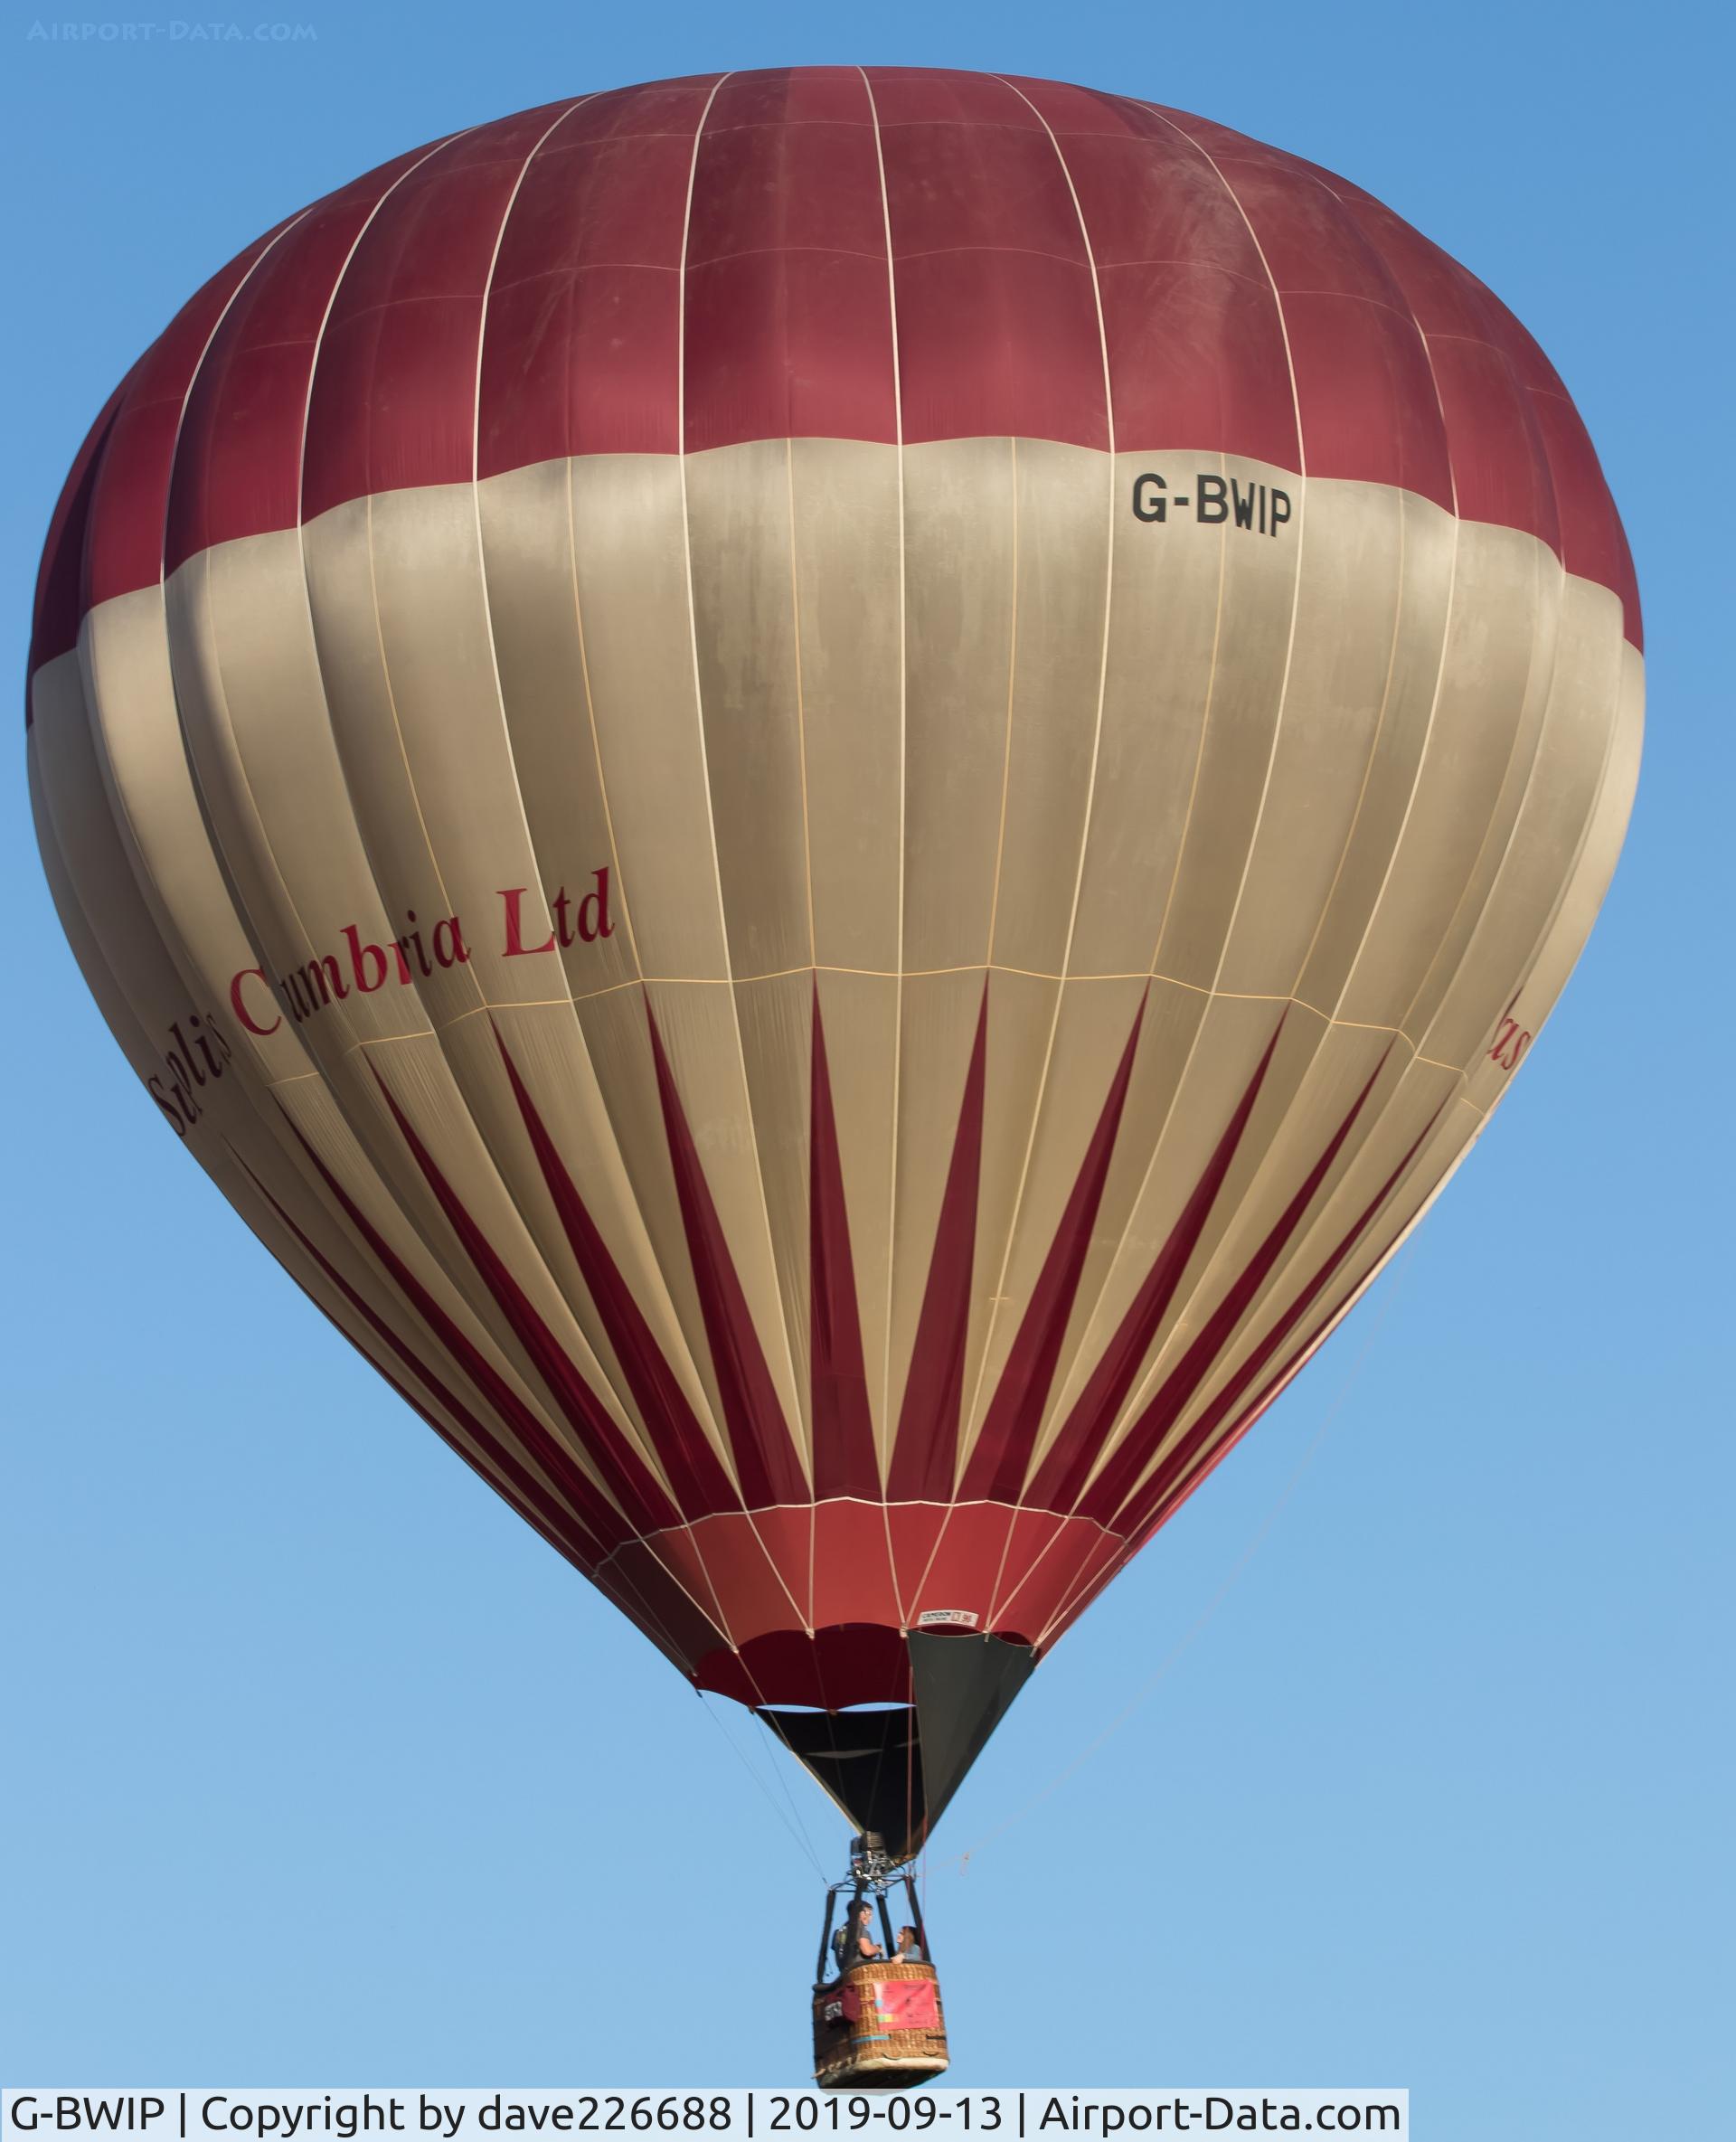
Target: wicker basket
(861, 2039)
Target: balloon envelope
(831, 792)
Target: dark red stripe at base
(774, 1657)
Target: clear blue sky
(319, 1769)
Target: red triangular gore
(696, 1474)
(766, 1461)
(925, 1455)
(519, 1486)
(1061, 1480)
(627, 1478)
(1145, 1435)
(844, 1436)
(1171, 1484)
(569, 1480)
(1002, 1456)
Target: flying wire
(1389, 1294)
(796, 1827)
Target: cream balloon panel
(1017, 693)
(635, 608)
(1552, 874)
(1228, 715)
(1201, 733)
(852, 631)
(1503, 950)
(596, 646)
(1063, 523)
(419, 723)
(960, 561)
(1556, 849)
(303, 789)
(99, 879)
(1453, 809)
(1372, 642)
(286, 813)
(745, 508)
(257, 737)
(434, 989)
(82, 854)
(263, 747)
(270, 779)
(402, 623)
(1476, 815)
(114, 766)
(1315, 780)
(1556, 865)
(739, 513)
(1584, 894)
(158, 930)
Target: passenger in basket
(910, 1949)
(859, 1946)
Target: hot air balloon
(831, 792)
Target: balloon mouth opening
(842, 1710)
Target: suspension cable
(797, 1828)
